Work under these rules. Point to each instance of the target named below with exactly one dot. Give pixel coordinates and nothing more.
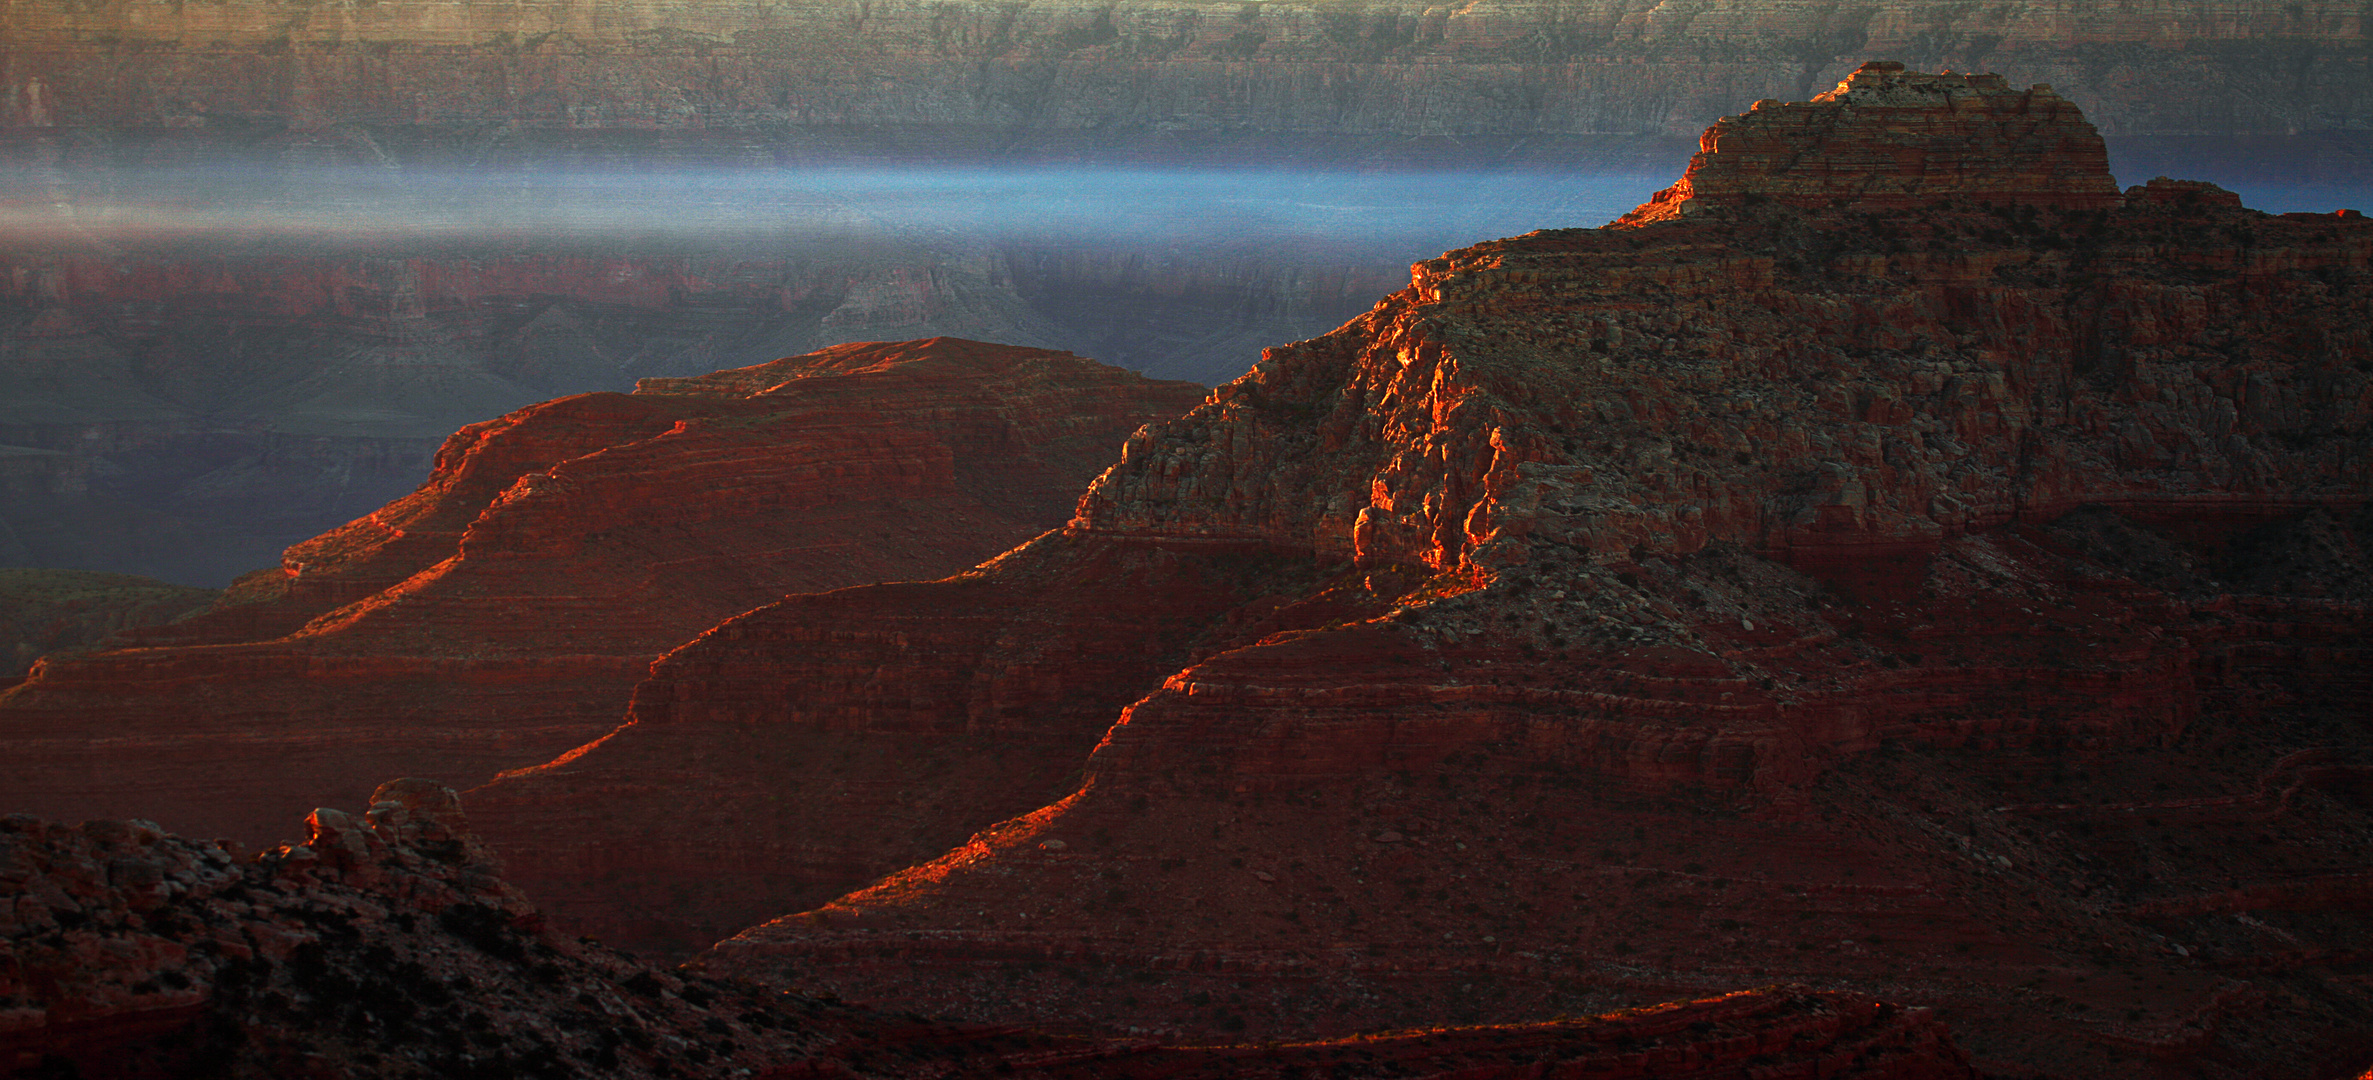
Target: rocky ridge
(387, 945)
(384, 945)
(1619, 615)
(501, 613)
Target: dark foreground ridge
(386, 946)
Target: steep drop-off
(501, 613)
(1956, 590)
(782, 77)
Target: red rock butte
(501, 614)
(1890, 138)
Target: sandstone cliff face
(500, 614)
(2097, 728)
(1887, 139)
(1628, 613)
(1167, 69)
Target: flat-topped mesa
(1888, 138)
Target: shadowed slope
(501, 613)
(386, 946)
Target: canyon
(183, 403)
(187, 414)
(1952, 589)
(790, 79)
(1896, 558)
(500, 614)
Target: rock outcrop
(1078, 76)
(501, 613)
(1890, 140)
(1615, 615)
(384, 945)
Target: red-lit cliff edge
(502, 613)
(1427, 738)
(1894, 558)
(386, 944)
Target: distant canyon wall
(1160, 68)
(188, 417)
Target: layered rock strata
(1337, 831)
(1888, 139)
(1593, 579)
(1173, 74)
(500, 614)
